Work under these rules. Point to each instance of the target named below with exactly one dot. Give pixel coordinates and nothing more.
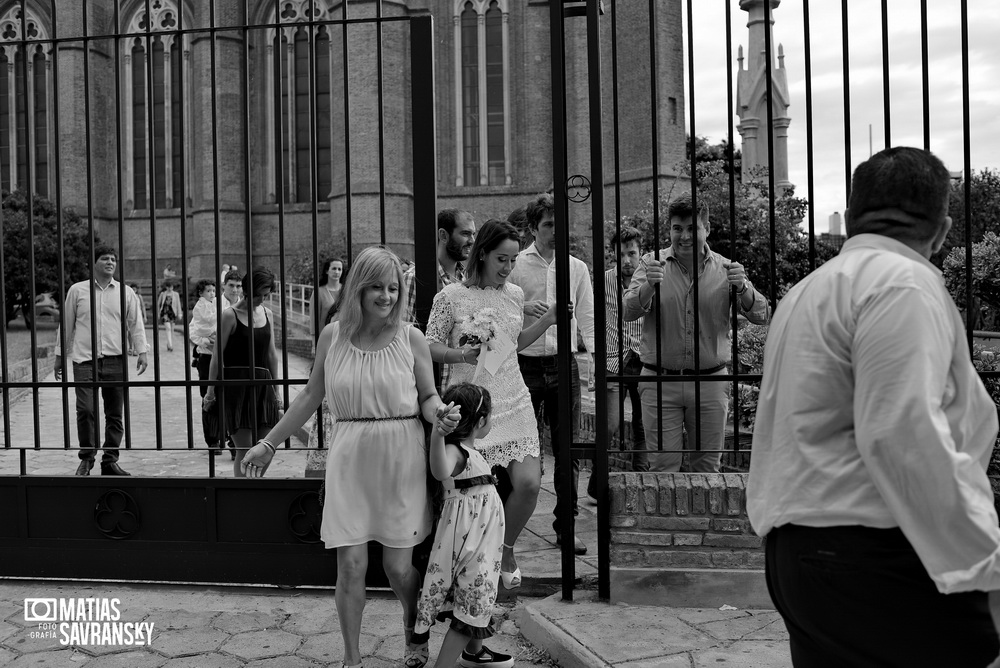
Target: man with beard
(719, 280)
(456, 230)
(623, 345)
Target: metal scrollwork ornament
(578, 188)
(117, 514)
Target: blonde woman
(376, 474)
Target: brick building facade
(191, 138)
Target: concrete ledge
(691, 588)
(561, 645)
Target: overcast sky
(866, 83)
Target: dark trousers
(640, 458)
(105, 369)
(857, 596)
(541, 375)
(209, 419)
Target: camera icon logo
(40, 610)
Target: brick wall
(682, 520)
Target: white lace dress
(514, 435)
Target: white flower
(479, 327)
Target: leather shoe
(113, 469)
(84, 467)
(578, 546)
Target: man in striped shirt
(623, 339)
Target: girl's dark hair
(475, 404)
(257, 279)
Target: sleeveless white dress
(376, 470)
(514, 435)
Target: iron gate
(197, 134)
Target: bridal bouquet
(478, 328)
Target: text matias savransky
(85, 621)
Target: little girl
(464, 566)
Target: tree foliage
(47, 226)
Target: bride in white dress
(513, 441)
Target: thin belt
(464, 483)
(682, 372)
(395, 418)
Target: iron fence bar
(4, 366)
(771, 194)
(600, 462)
(381, 122)
(126, 387)
(151, 202)
(924, 75)
(696, 238)
(347, 138)
(247, 217)
(561, 446)
(615, 130)
(886, 114)
(810, 187)
(168, 107)
(318, 318)
(90, 223)
(61, 260)
(655, 173)
(28, 109)
(731, 161)
(423, 144)
(279, 144)
(847, 99)
(967, 171)
(217, 223)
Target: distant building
(834, 237)
(752, 97)
(144, 156)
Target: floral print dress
(464, 565)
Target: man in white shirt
(873, 432)
(535, 273)
(98, 354)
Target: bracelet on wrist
(746, 286)
(267, 444)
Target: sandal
(416, 655)
(511, 580)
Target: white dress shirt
(537, 278)
(76, 319)
(204, 325)
(871, 413)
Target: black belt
(683, 372)
(466, 483)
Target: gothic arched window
(26, 133)
(156, 117)
(291, 96)
(482, 107)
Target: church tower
(751, 97)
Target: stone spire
(751, 97)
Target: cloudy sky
(866, 83)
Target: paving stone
(262, 644)
(736, 628)
(64, 658)
(189, 642)
(308, 624)
(776, 630)
(7, 630)
(745, 654)
(329, 647)
(287, 662)
(22, 642)
(698, 616)
(167, 620)
(131, 659)
(672, 661)
(6, 656)
(241, 622)
(213, 660)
